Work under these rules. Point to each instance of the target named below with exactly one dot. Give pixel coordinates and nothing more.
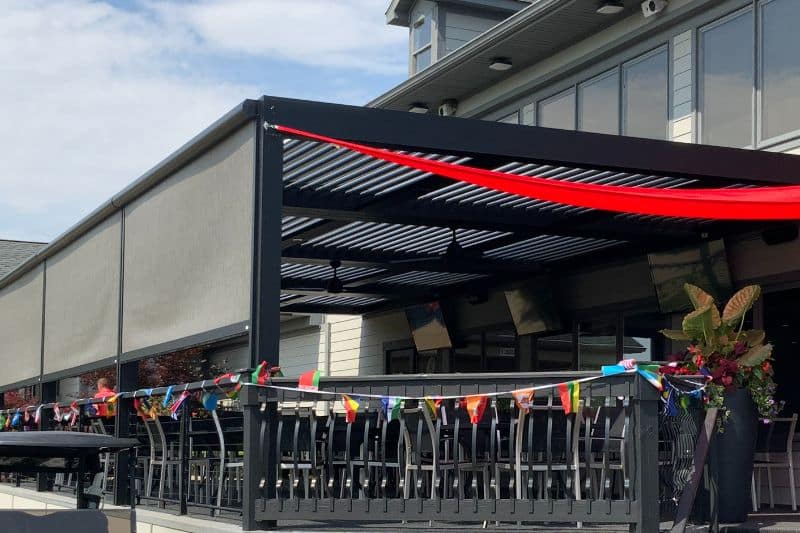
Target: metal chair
(775, 452)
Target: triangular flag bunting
(27, 416)
(38, 416)
(476, 405)
(234, 392)
(16, 419)
(570, 396)
(523, 398)
(2, 421)
(176, 405)
(433, 406)
(260, 376)
(209, 401)
(74, 411)
(392, 408)
(56, 412)
(350, 407)
(167, 396)
(309, 381)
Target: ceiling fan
(333, 286)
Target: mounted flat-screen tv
(427, 327)
(533, 308)
(705, 265)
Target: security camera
(652, 7)
(448, 108)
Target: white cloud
(349, 34)
(91, 95)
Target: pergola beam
(486, 139)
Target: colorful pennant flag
(111, 404)
(167, 396)
(174, 409)
(15, 421)
(523, 398)
(209, 401)
(2, 421)
(652, 377)
(392, 408)
(37, 417)
(350, 407)
(476, 405)
(309, 381)
(234, 392)
(74, 411)
(8, 422)
(570, 396)
(433, 406)
(260, 375)
(56, 412)
(27, 416)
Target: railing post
(126, 381)
(646, 456)
(183, 453)
(260, 458)
(48, 392)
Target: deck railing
(280, 454)
(599, 465)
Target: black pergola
(389, 228)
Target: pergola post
(48, 392)
(127, 380)
(260, 463)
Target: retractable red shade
(762, 203)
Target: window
(598, 104)
(645, 96)
(513, 118)
(780, 68)
(558, 111)
(726, 82)
(422, 41)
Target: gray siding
(459, 27)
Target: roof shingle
(14, 253)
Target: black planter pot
(732, 456)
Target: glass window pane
(781, 69)
(554, 352)
(501, 350)
(597, 343)
(400, 361)
(645, 95)
(422, 60)
(726, 84)
(467, 354)
(598, 105)
(558, 111)
(422, 31)
(642, 340)
(513, 118)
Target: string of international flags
(309, 383)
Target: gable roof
(14, 253)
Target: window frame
(701, 72)
(556, 96)
(616, 70)
(758, 93)
(624, 66)
(428, 13)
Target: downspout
(327, 326)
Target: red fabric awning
(762, 203)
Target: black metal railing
(598, 465)
(279, 454)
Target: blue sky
(95, 92)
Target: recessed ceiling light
(610, 7)
(500, 64)
(418, 108)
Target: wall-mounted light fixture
(500, 64)
(610, 7)
(418, 108)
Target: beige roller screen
(82, 299)
(187, 248)
(21, 328)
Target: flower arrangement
(722, 350)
